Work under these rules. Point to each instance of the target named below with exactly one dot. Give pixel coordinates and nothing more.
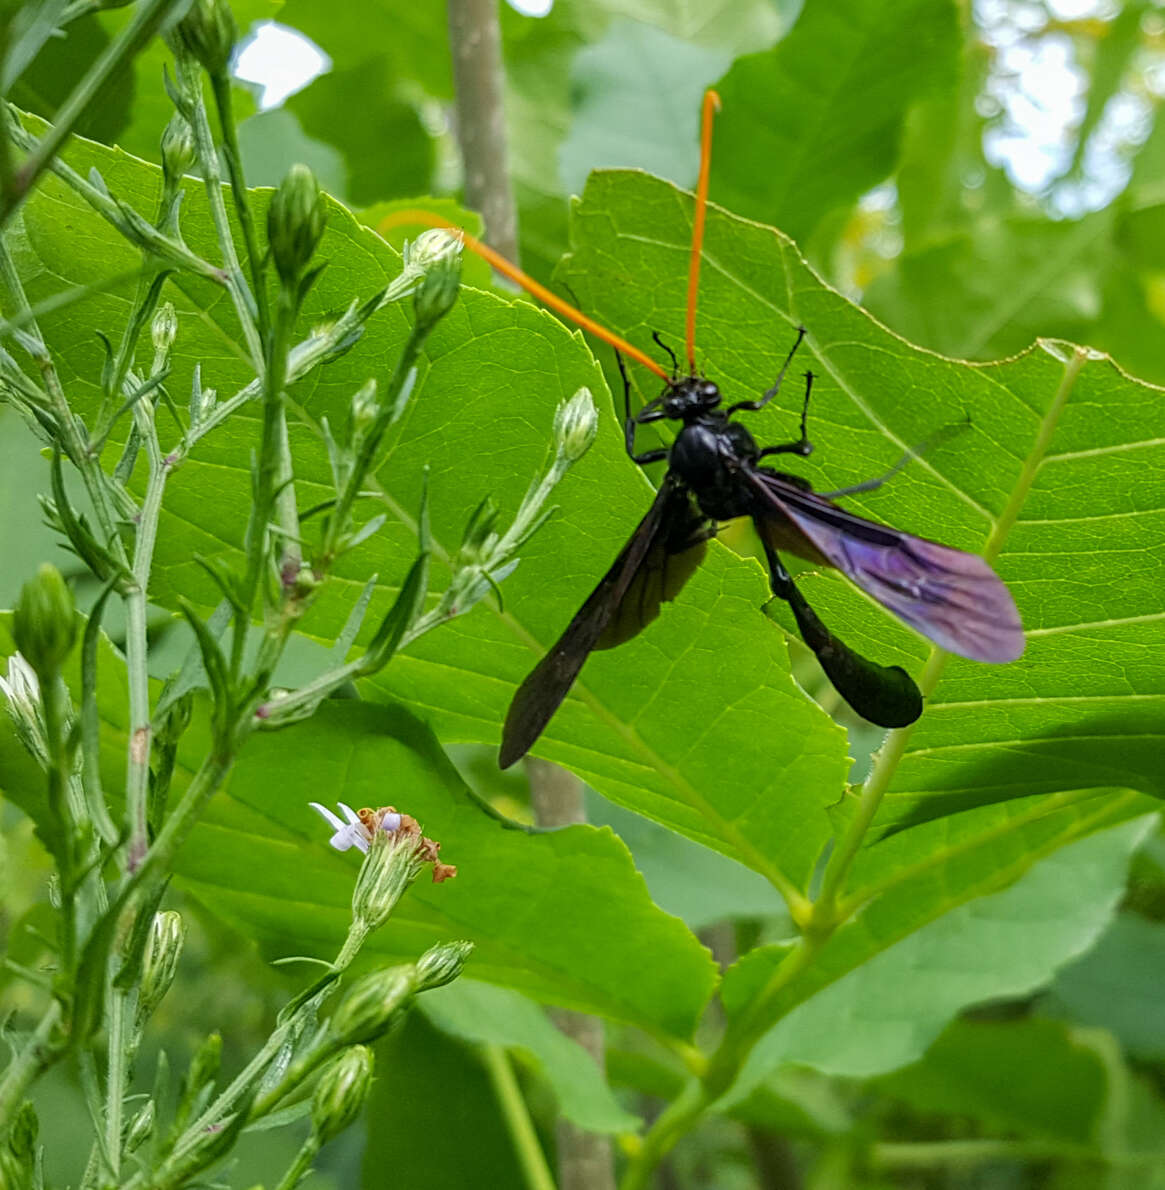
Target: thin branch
(86, 94)
(475, 41)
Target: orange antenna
(503, 266)
(711, 107)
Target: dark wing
(663, 551)
(952, 597)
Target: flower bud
(480, 534)
(365, 407)
(372, 1005)
(177, 149)
(209, 32)
(141, 1128)
(433, 247)
(295, 223)
(441, 964)
(391, 865)
(575, 423)
(341, 1092)
(22, 1136)
(164, 328)
(160, 961)
(44, 624)
(438, 288)
(203, 1068)
(21, 691)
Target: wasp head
(690, 396)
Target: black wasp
(716, 474)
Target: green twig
(137, 641)
(207, 152)
(36, 1055)
(221, 88)
(146, 21)
(270, 467)
(517, 1118)
(824, 917)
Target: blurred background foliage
(975, 174)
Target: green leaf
(694, 883)
(136, 109)
(60, 65)
(434, 1116)
(562, 916)
(1031, 1077)
(1117, 985)
(885, 1012)
(411, 38)
(271, 142)
(1054, 479)
(697, 723)
(815, 122)
(22, 472)
(658, 76)
(994, 288)
(474, 270)
(479, 1013)
(387, 150)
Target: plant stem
(220, 85)
(824, 916)
(517, 1118)
(207, 153)
(676, 1119)
(96, 484)
(927, 1154)
(115, 1077)
(146, 21)
(300, 1166)
(270, 469)
(54, 703)
(302, 358)
(36, 1055)
(370, 445)
(142, 232)
(137, 644)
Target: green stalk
(370, 445)
(241, 295)
(824, 917)
(298, 1169)
(517, 1118)
(96, 484)
(678, 1118)
(54, 703)
(116, 1075)
(220, 85)
(85, 95)
(269, 469)
(37, 1054)
(137, 643)
(144, 233)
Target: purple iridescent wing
(661, 554)
(952, 597)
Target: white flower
(357, 831)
